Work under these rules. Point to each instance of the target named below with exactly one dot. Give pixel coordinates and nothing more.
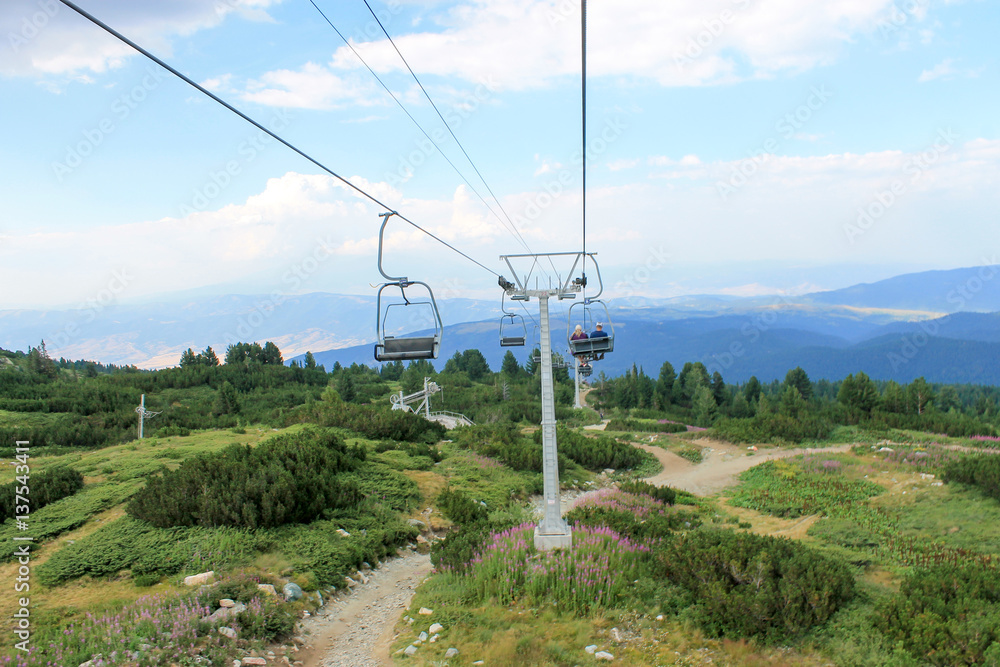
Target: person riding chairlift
(580, 334)
(599, 332)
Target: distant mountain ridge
(947, 321)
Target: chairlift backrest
(409, 347)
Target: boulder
(451, 653)
(267, 588)
(604, 655)
(226, 602)
(199, 579)
(410, 650)
(292, 591)
(343, 533)
(591, 649)
(436, 628)
(254, 661)
(224, 613)
(227, 632)
(424, 611)
(422, 636)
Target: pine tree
(208, 357)
(310, 360)
(510, 367)
(665, 385)
(797, 378)
(188, 358)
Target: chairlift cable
(447, 126)
(96, 21)
(583, 106)
(513, 231)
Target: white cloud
(525, 44)
(943, 70)
(311, 87)
(946, 70)
(47, 38)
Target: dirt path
(720, 467)
(356, 630)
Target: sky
(733, 146)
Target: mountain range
(942, 325)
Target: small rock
(199, 579)
(616, 635)
(451, 653)
(254, 661)
(237, 663)
(267, 588)
(591, 649)
(292, 591)
(366, 566)
(410, 650)
(361, 576)
(479, 662)
(343, 533)
(436, 628)
(434, 639)
(227, 632)
(417, 523)
(424, 611)
(659, 617)
(350, 582)
(604, 655)
(422, 636)
(421, 539)
(227, 603)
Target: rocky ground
(356, 629)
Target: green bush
(946, 615)
(459, 508)
(619, 424)
(41, 489)
(127, 544)
(662, 493)
(375, 422)
(979, 471)
(773, 428)
(503, 442)
(745, 585)
(595, 453)
(290, 478)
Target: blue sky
(744, 147)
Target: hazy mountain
(969, 289)
(830, 334)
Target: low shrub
(290, 478)
(982, 472)
(662, 493)
(41, 489)
(772, 428)
(459, 508)
(946, 615)
(745, 585)
(595, 453)
(619, 424)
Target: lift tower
(552, 531)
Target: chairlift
(409, 347)
(591, 348)
(513, 330)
